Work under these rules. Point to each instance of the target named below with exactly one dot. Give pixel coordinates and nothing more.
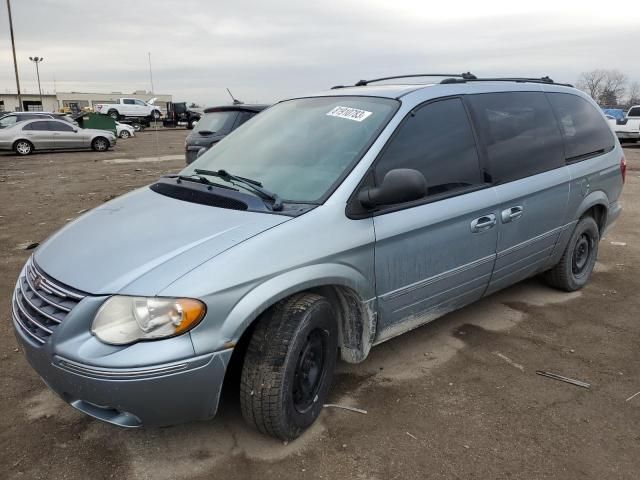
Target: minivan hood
(141, 242)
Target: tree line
(610, 88)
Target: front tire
(289, 364)
(23, 147)
(579, 258)
(155, 115)
(125, 134)
(100, 144)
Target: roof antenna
(235, 100)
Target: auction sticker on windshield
(349, 113)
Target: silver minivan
(323, 227)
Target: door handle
(483, 223)
(511, 214)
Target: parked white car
(125, 131)
(129, 107)
(627, 128)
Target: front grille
(40, 303)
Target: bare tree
(607, 87)
(592, 82)
(633, 94)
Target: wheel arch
(596, 204)
(349, 292)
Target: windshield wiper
(247, 182)
(198, 179)
(206, 132)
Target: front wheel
(579, 258)
(155, 115)
(289, 364)
(100, 144)
(23, 147)
(125, 134)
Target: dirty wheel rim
(100, 145)
(23, 148)
(309, 372)
(582, 254)
(124, 134)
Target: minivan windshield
(299, 149)
(214, 121)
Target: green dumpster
(96, 120)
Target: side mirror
(200, 152)
(398, 186)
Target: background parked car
(125, 131)
(15, 117)
(215, 124)
(179, 114)
(25, 137)
(129, 107)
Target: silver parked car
(327, 224)
(25, 137)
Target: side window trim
(368, 179)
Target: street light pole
(37, 60)
(15, 62)
(150, 72)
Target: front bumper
(157, 395)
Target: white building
(67, 100)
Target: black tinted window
(634, 112)
(585, 131)
(40, 126)
(436, 140)
(128, 101)
(520, 133)
(60, 127)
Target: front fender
(216, 335)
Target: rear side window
(634, 112)
(436, 140)
(520, 133)
(128, 101)
(585, 132)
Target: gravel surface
(458, 398)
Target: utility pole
(37, 60)
(15, 62)
(151, 73)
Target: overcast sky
(267, 50)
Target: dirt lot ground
(458, 398)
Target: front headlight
(121, 320)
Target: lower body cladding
(158, 395)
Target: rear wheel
(23, 147)
(100, 144)
(114, 114)
(288, 367)
(577, 262)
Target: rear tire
(114, 114)
(574, 268)
(23, 147)
(100, 144)
(289, 364)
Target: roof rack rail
(546, 79)
(362, 83)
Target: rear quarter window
(585, 131)
(520, 134)
(634, 112)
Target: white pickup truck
(129, 107)
(629, 127)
